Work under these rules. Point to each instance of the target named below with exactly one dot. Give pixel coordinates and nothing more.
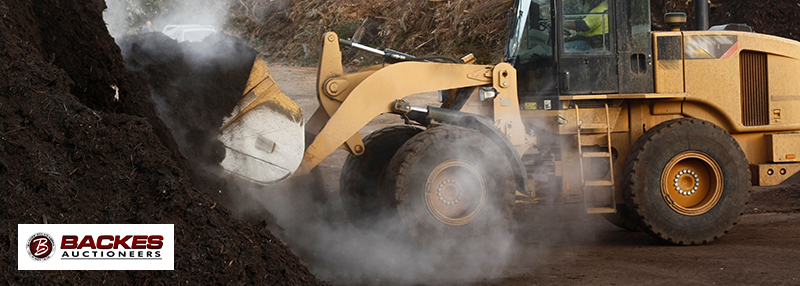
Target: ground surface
(557, 245)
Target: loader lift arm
(371, 92)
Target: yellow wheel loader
(662, 131)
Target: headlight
(487, 93)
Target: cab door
(587, 62)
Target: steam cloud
(316, 228)
(126, 17)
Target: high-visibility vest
(598, 24)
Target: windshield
(515, 17)
(529, 30)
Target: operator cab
(579, 47)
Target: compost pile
(452, 28)
(773, 17)
(418, 27)
(81, 142)
(194, 86)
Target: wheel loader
(660, 131)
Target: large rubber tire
(361, 174)
(452, 183)
(624, 217)
(687, 181)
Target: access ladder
(592, 187)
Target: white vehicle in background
(190, 33)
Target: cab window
(586, 26)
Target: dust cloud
(317, 230)
(126, 17)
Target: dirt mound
(290, 31)
(774, 17)
(194, 85)
(73, 150)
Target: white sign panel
(96, 247)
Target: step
(593, 126)
(596, 154)
(600, 210)
(598, 184)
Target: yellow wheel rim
(691, 183)
(455, 192)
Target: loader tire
(687, 181)
(452, 184)
(360, 177)
(623, 218)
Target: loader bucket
(264, 135)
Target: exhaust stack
(701, 14)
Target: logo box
(96, 247)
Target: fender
(485, 126)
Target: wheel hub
(455, 192)
(686, 182)
(448, 192)
(692, 183)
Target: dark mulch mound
(774, 17)
(72, 153)
(195, 85)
